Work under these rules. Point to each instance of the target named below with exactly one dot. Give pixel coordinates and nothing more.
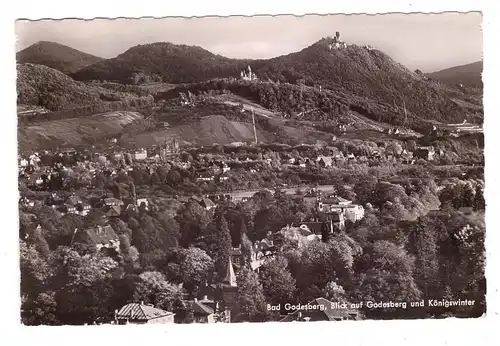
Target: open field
(75, 131)
(209, 130)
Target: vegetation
(56, 56)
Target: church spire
(230, 278)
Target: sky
(428, 42)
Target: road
(238, 195)
(258, 111)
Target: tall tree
(219, 245)
(250, 296)
(277, 281)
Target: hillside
(56, 56)
(467, 75)
(42, 86)
(75, 131)
(367, 80)
(162, 62)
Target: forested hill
(56, 56)
(162, 61)
(468, 75)
(355, 72)
(42, 86)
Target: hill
(74, 132)
(367, 80)
(56, 56)
(162, 62)
(42, 86)
(467, 75)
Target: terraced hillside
(75, 131)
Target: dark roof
(73, 200)
(201, 309)
(114, 210)
(139, 312)
(207, 202)
(111, 200)
(315, 227)
(101, 235)
(334, 200)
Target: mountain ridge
(467, 74)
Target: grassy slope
(74, 132)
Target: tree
(385, 273)
(193, 220)
(196, 266)
(152, 288)
(86, 289)
(218, 240)
(423, 244)
(173, 177)
(478, 202)
(251, 298)
(335, 292)
(278, 283)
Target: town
(180, 186)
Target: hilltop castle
(336, 42)
(248, 74)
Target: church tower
(230, 292)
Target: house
(426, 153)
(354, 212)
(237, 256)
(138, 313)
(113, 211)
(141, 201)
(332, 203)
(84, 209)
(302, 235)
(336, 218)
(141, 154)
(324, 161)
(102, 237)
(301, 163)
(207, 203)
(205, 177)
(204, 310)
(132, 207)
(321, 309)
(73, 200)
(67, 209)
(111, 201)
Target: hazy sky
(425, 41)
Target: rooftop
(140, 312)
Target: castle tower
(230, 292)
(337, 36)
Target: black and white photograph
(251, 169)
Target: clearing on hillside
(75, 131)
